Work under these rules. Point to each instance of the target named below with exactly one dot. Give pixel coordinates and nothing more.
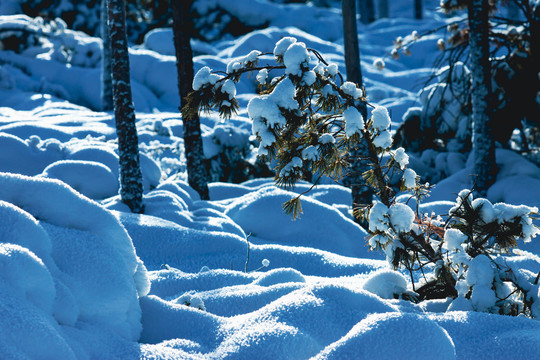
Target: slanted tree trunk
(418, 10)
(106, 80)
(483, 144)
(361, 193)
(366, 8)
(182, 30)
(383, 9)
(131, 183)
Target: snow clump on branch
(204, 76)
(354, 122)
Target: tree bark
(106, 79)
(485, 167)
(418, 10)
(367, 11)
(182, 30)
(131, 183)
(535, 41)
(361, 193)
(383, 9)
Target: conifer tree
(131, 184)
(361, 193)
(481, 95)
(308, 117)
(182, 30)
(367, 11)
(106, 80)
(535, 43)
(418, 9)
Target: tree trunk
(182, 30)
(418, 9)
(367, 11)
(106, 79)
(383, 9)
(361, 193)
(535, 40)
(131, 184)
(485, 167)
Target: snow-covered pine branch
(307, 118)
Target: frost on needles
(307, 118)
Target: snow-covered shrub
(309, 118)
(49, 40)
(84, 15)
(304, 119)
(230, 155)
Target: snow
(90, 178)
(282, 45)
(383, 336)
(83, 278)
(383, 140)
(350, 89)
(354, 122)
(262, 76)
(409, 179)
(480, 271)
(326, 139)
(401, 217)
(295, 58)
(378, 217)
(310, 153)
(386, 284)
(401, 157)
(380, 118)
(204, 76)
(91, 265)
(332, 69)
(454, 238)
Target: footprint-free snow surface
(83, 278)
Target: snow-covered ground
(233, 277)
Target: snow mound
(386, 283)
(18, 156)
(391, 336)
(320, 226)
(99, 154)
(90, 178)
(280, 276)
(87, 272)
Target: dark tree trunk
(383, 9)
(534, 114)
(106, 79)
(418, 10)
(361, 193)
(350, 41)
(535, 41)
(131, 184)
(182, 30)
(485, 167)
(367, 11)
